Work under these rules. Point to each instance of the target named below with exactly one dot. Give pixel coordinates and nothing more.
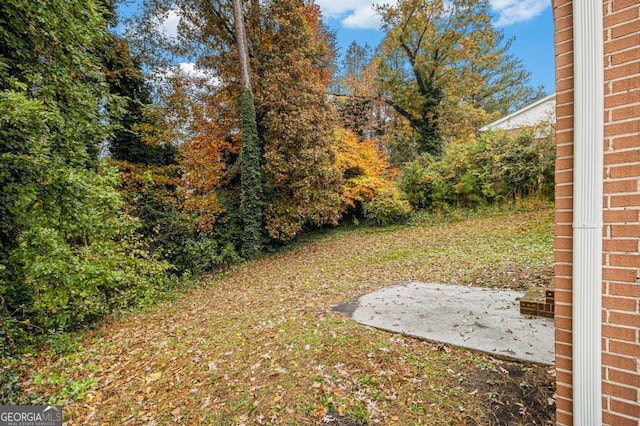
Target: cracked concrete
(481, 319)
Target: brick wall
(621, 211)
(563, 16)
(621, 244)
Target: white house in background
(542, 110)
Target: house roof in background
(532, 114)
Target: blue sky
(529, 22)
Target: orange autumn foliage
(363, 168)
(204, 162)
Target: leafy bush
(388, 207)
(424, 184)
(172, 234)
(81, 264)
(496, 166)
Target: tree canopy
(443, 58)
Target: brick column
(563, 17)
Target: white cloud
(339, 8)
(352, 14)
(168, 24)
(189, 69)
(363, 18)
(513, 11)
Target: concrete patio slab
(482, 319)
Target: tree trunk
(251, 174)
(241, 40)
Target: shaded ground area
(259, 345)
(487, 320)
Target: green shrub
(496, 166)
(171, 233)
(80, 265)
(388, 207)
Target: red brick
(619, 333)
(564, 190)
(565, 163)
(562, 244)
(563, 285)
(624, 348)
(563, 41)
(563, 310)
(622, 4)
(564, 57)
(564, 147)
(628, 85)
(619, 17)
(563, 323)
(565, 97)
(563, 336)
(563, 256)
(612, 419)
(565, 109)
(560, 229)
(627, 112)
(565, 203)
(563, 10)
(619, 44)
(563, 22)
(565, 364)
(564, 84)
(564, 404)
(564, 418)
(624, 171)
(623, 157)
(625, 29)
(620, 304)
(564, 121)
(564, 176)
(614, 186)
(624, 289)
(563, 216)
(625, 377)
(622, 142)
(629, 260)
(626, 215)
(619, 362)
(619, 391)
(616, 245)
(629, 55)
(626, 408)
(632, 230)
(621, 71)
(563, 376)
(621, 128)
(626, 200)
(630, 318)
(620, 97)
(564, 72)
(562, 270)
(619, 274)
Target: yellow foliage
(362, 166)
